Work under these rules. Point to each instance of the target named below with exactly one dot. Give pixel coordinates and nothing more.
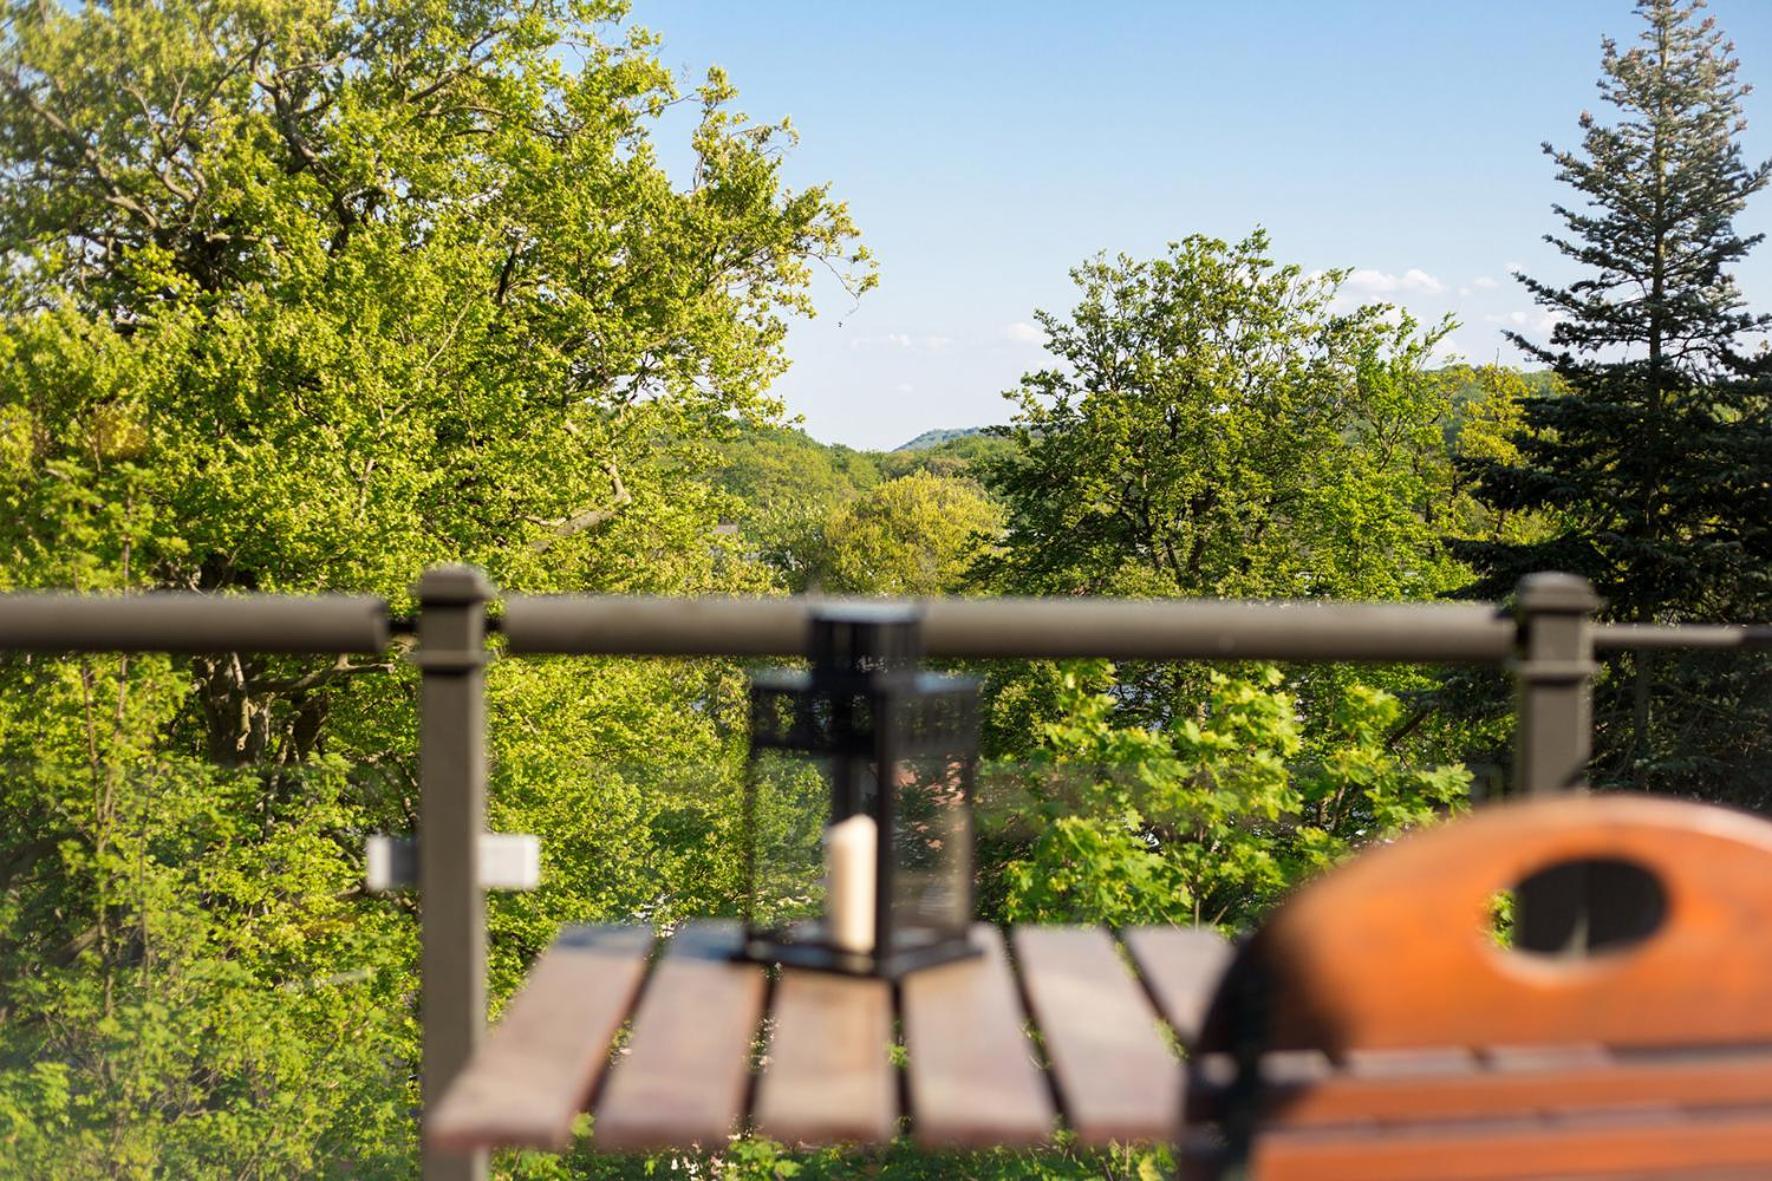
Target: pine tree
(1653, 457)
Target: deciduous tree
(1214, 425)
(1217, 424)
(303, 297)
(915, 535)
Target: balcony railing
(1547, 639)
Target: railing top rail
(1724, 636)
(185, 621)
(1029, 628)
(1153, 629)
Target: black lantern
(861, 778)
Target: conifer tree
(1653, 458)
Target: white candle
(849, 850)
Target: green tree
(785, 485)
(916, 535)
(308, 297)
(1214, 427)
(1654, 463)
(1488, 419)
(788, 488)
(1209, 822)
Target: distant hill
(936, 438)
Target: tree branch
(588, 518)
(313, 680)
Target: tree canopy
(1213, 425)
(307, 297)
(916, 535)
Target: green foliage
(749, 1159)
(915, 535)
(1487, 419)
(343, 270)
(771, 470)
(808, 509)
(939, 437)
(1212, 427)
(194, 984)
(1208, 822)
(785, 486)
(301, 297)
(961, 454)
(1650, 471)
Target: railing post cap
(1557, 593)
(442, 585)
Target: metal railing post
(1553, 674)
(452, 813)
(1553, 740)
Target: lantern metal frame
(865, 706)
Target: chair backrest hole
(1587, 907)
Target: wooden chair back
(1374, 1028)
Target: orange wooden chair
(1374, 1029)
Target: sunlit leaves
(1208, 823)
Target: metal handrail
(186, 621)
(1153, 629)
(616, 625)
(1660, 636)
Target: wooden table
(669, 1043)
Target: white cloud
(1021, 332)
(1413, 281)
(891, 340)
(1485, 282)
(905, 387)
(1513, 268)
(1539, 322)
(904, 342)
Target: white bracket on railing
(508, 861)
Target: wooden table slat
(531, 1075)
(683, 1078)
(1116, 1076)
(1181, 967)
(973, 1076)
(828, 1075)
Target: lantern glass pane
(788, 800)
(931, 847)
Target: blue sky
(986, 148)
